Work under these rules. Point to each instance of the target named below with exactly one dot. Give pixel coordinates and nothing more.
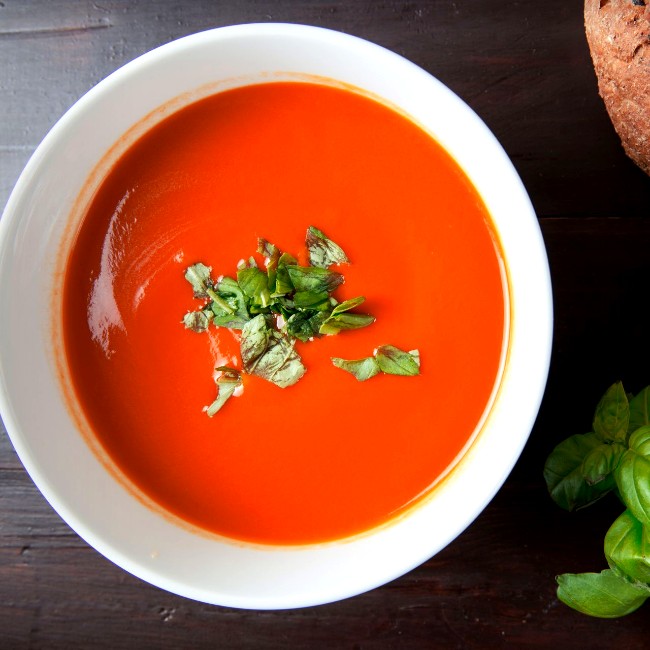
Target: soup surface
(329, 457)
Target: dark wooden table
(525, 68)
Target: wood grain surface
(524, 67)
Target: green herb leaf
(309, 278)
(305, 325)
(311, 299)
(362, 369)
(612, 415)
(347, 321)
(323, 252)
(280, 364)
(347, 305)
(198, 275)
(340, 318)
(272, 255)
(639, 410)
(387, 359)
(394, 361)
(632, 475)
(228, 304)
(564, 473)
(599, 464)
(227, 384)
(254, 284)
(198, 321)
(269, 355)
(255, 338)
(627, 548)
(270, 251)
(283, 284)
(606, 594)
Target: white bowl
(58, 458)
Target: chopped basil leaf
(280, 363)
(229, 304)
(304, 325)
(387, 359)
(227, 384)
(309, 278)
(269, 250)
(362, 369)
(339, 322)
(272, 254)
(198, 275)
(323, 252)
(346, 305)
(394, 361)
(270, 355)
(254, 341)
(254, 283)
(198, 321)
(283, 283)
(311, 300)
(339, 319)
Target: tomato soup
(329, 457)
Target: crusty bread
(618, 32)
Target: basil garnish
(276, 306)
(387, 359)
(323, 252)
(227, 384)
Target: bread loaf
(618, 33)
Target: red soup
(330, 456)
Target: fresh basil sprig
(273, 307)
(614, 457)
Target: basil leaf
(605, 594)
(323, 252)
(340, 319)
(347, 305)
(394, 361)
(309, 278)
(270, 251)
(272, 255)
(362, 369)
(198, 321)
(612, 415)
(280, 364)
(632, 475)
(198, 275)
(304, 325)
(227, 384)
(639, 410)
(283, 283)
(311, 299)
(626, 548)
(229, 304)
(600, 463)
(269, 355)
(335, 324)
(254, 283)
(255, 339)
(563, 473)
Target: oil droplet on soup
(329, 457)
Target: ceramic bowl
(56, 182)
